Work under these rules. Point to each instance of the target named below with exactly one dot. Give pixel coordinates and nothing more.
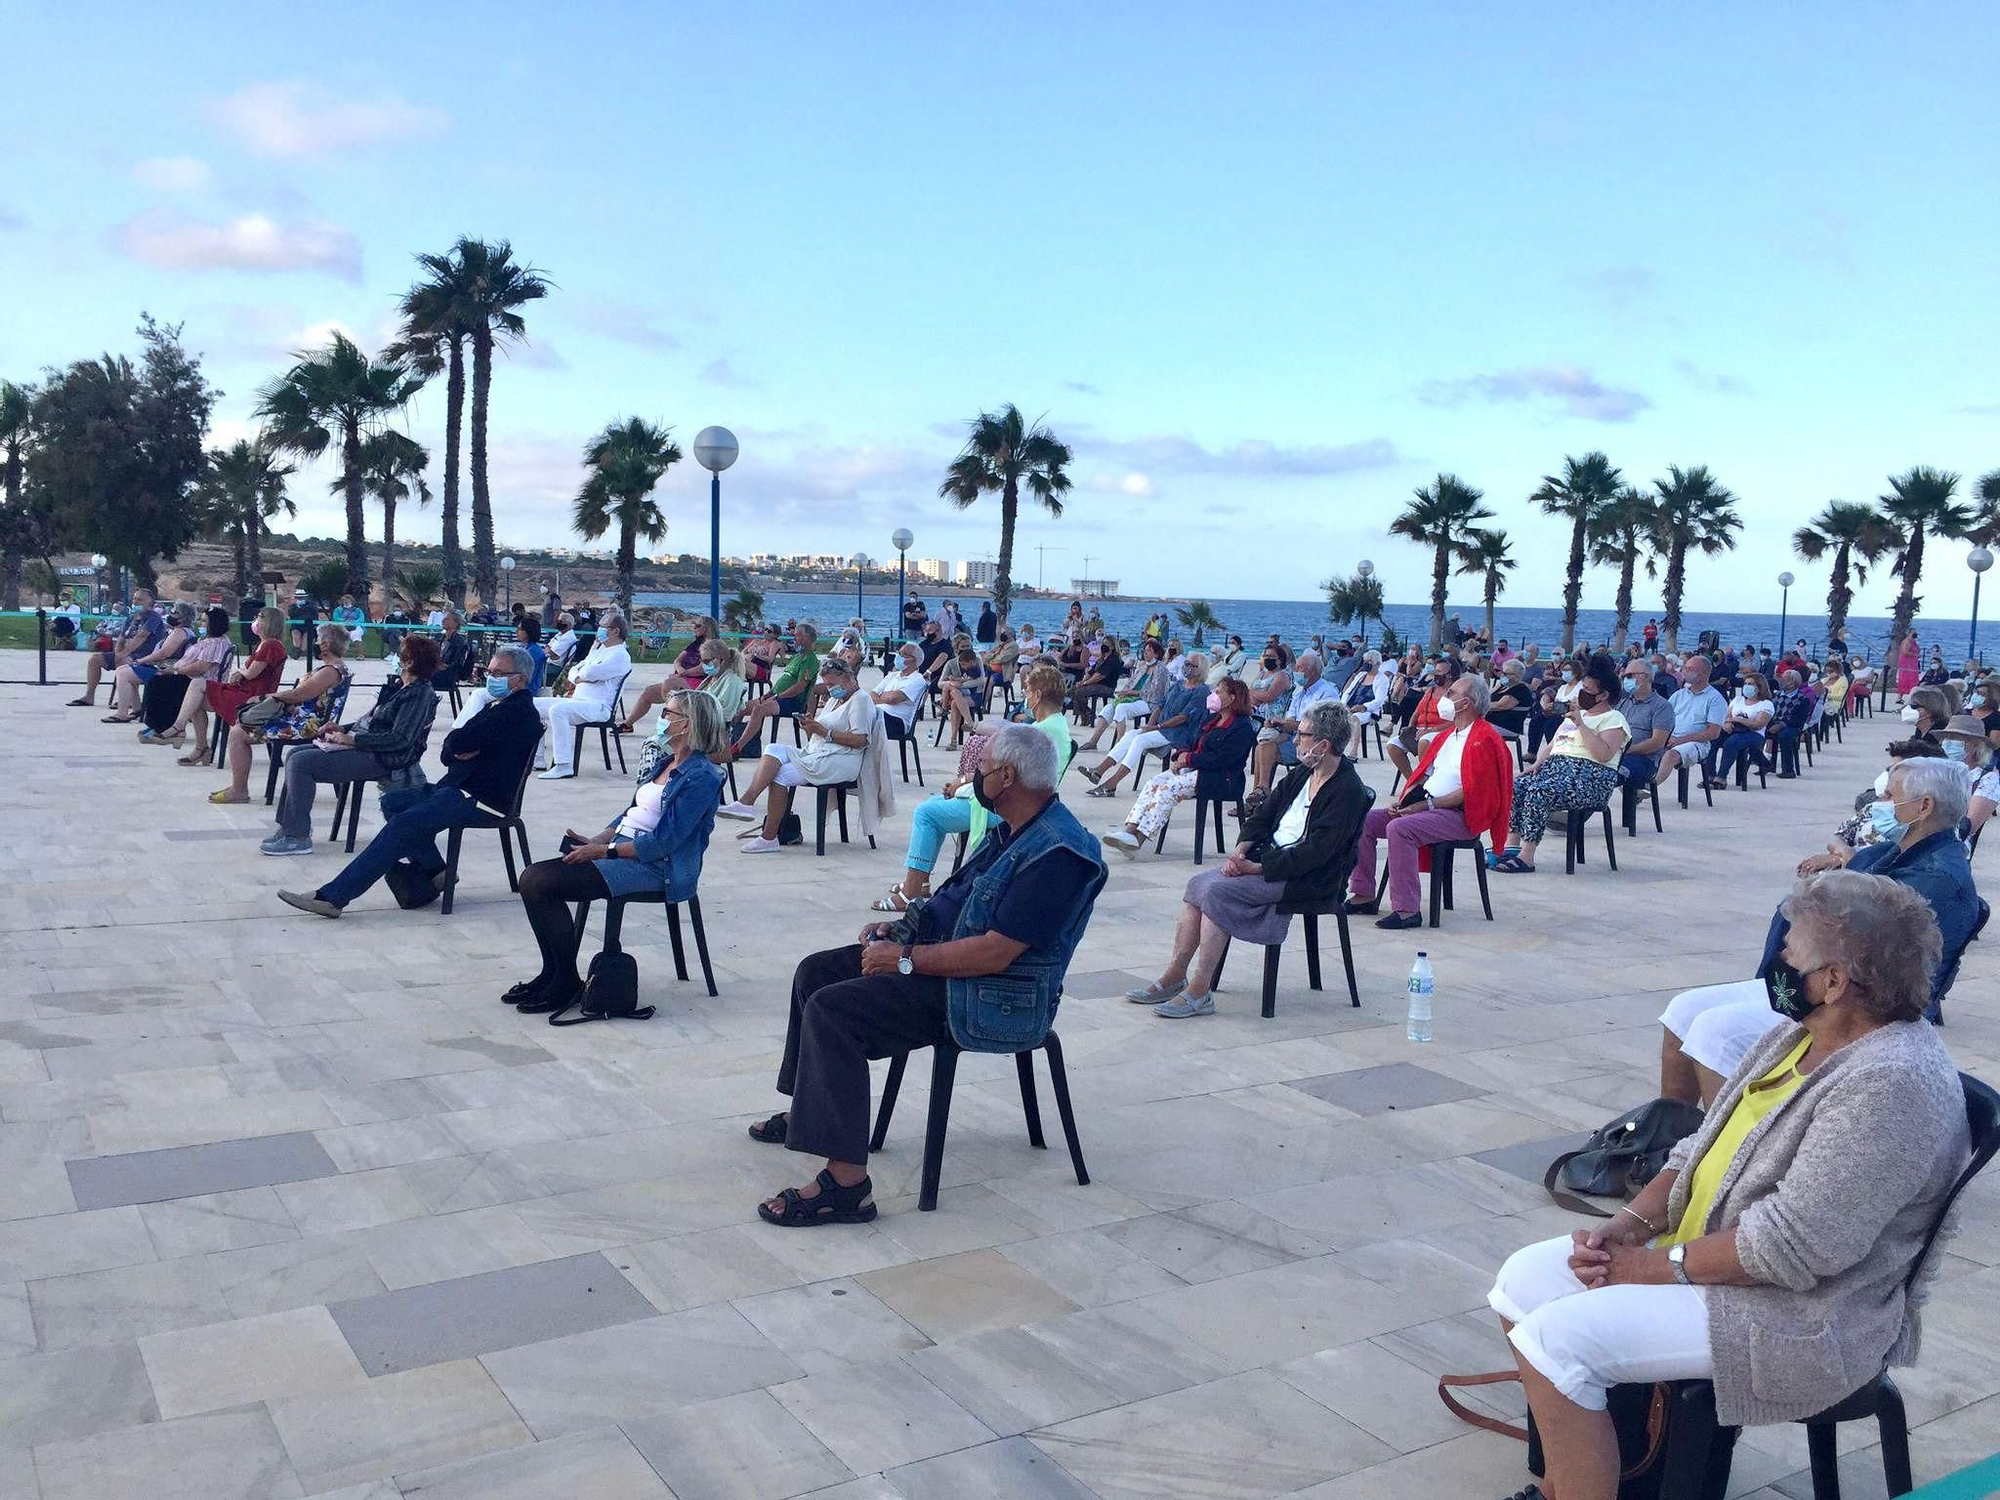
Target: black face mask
(980, 796)
(1785, 987)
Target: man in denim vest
(983, 970)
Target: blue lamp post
(715, 450)
(1785, 582)
(1979, 559)
(901, 542)
(860, 561)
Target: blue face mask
(1882, 816)
(708, 669)
(834, 695)
(1749, 693)
(1954, 749)
(498, 687)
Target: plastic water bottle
(1421, 985)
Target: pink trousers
(1406, 835)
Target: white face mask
(1882, 785)
(1447, 709)
(1909, 714)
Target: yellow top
(1836, 694)
(1756, 1101)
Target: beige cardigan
(1831, 1196)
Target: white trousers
(562, 715)
(790, 772)
(1124, 713)
(1586, 1341)
(1718, 1024)
(1129, 749)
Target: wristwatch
(1677, 1258)
(906, 964)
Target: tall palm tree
(1488, 555)
(1443, 518)
(1919, 502)
(1585, 487)
(437, 324)
(1857, 537)
(392, 467)
(1693, 512)
(244, 488)
(495, 286)
(624, 462)
(14, 410)
(1618, 540)
(337, 395)
(1003, 453)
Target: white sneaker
(556, 773)
(742, 810)
(762, 845)
(1123, 840)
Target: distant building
(763, 559)
(932, 569)
(1093, 588)
(977, 574)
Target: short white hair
(1938, 779)
(1030, 753)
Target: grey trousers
(305, 768)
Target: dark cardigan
(1217, 757)
(1315, 868)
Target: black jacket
(399, 726)
(1315, 868)
(504, 735)
(1217, 755)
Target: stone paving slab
(527, 1261)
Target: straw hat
(1963, 727)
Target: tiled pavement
(293, 1207)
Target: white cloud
(250, 242)
(172, 174)
(1580, 392)
(297, 118)
(1252, 456)
(624, 321)
(1133, 483)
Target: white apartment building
(932, 569)
(977, 573)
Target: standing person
(594, 684)
(483, 758)
(1650, 636)
(551, 609)
(1909, 659)
(988, 626)
(914, 616)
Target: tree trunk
(1623, 626)
(484, 569)
(10, 556)
(454, 418)
(1906, 601)
(388, 552)
(1573, 589)
(253, 540)
(237, 547)
(1003, 572)
(1839, 597)
(1492, 593)
(10, 579)
(1670, 612)
(628, 562)
(1439, 570)
(357, 520)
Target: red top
(1486, 771)
(273, 676)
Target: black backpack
(1621, 1156)
(610, 993)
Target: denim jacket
(669, 858)
(1012, 1011)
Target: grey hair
(184, 614)
(1031, 753)
(1329, 721)
(1476, 691)
(1371, 658)
(837, 664)
(1788, 678)
(706, 732)
(333, 640)
(1938, 779)
(519, 663)
(1314, 656)
(1933, 701)
(1513, 667)
(1881, 932)
(1197, 661)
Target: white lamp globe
(715, 448)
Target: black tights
(547, 889)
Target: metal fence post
(41, 646)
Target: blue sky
(1267, 268)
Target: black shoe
(527, 989)
(1788, 775)
(1366, 908)
(1397, 922)
(553, 998)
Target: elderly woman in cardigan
(1772, 1254)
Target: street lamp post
(901, 542)
(97, 561)
(1785, 582)
(715, 450)
(1364, 570)
(860, 611)
(1979, 559)
(507, 566)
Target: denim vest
(1012, 1011)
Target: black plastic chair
(347, 799)
(838, 791)
(509, 826)
(908, 747)
(614, 921)
(1697, 1452)
(1631, 791)
(944, 1070)
(604, 735)
(1201, 811)
(1311, 912)
(1443, 856)
(1681, 783)
(1576, 827)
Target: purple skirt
(1244, 906)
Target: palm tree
(495, 285)
(1003, 453)
(14, 410)
(1918, 502)
(1585, 487)
(244, 488)
(338, 394)
(1442, 518)
(1618, 540)
(1693, 511)
(625, 461)
(1488, 555)
(1353, 598)
(741, 615)
(392, 468)
(1199, 618)
(1985, 528)
(437, 323)
(420, 583)
(1857, 537)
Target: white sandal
(895, 903)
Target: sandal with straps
(771, 1132)
(1101, 790)
(896, 902)
(834, 1205)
